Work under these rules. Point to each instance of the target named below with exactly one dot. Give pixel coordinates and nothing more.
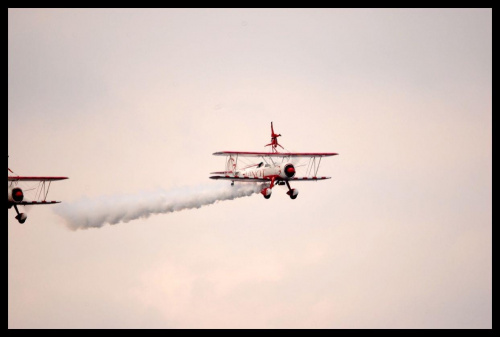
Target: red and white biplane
(16, 193)
(274, 168)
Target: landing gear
(21, 217)
(266, 192)
(292, 192)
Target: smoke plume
(95, 213)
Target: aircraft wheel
(293, 197)
(267, 196)
(21, 217)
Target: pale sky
(129, 101)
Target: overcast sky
(129, 101)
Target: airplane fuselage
(281, 171)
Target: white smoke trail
(95, 213)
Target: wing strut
(313, 167)
(231, 163)
(42, 188)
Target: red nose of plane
(17, 194)
(289, 171)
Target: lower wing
(268, 180)
(240, 178)
(43, 202)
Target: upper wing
(16, 178)
(272, 154)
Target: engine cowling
(288, 171)
(15, 194)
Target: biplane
(17, 197)
(272, 168)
